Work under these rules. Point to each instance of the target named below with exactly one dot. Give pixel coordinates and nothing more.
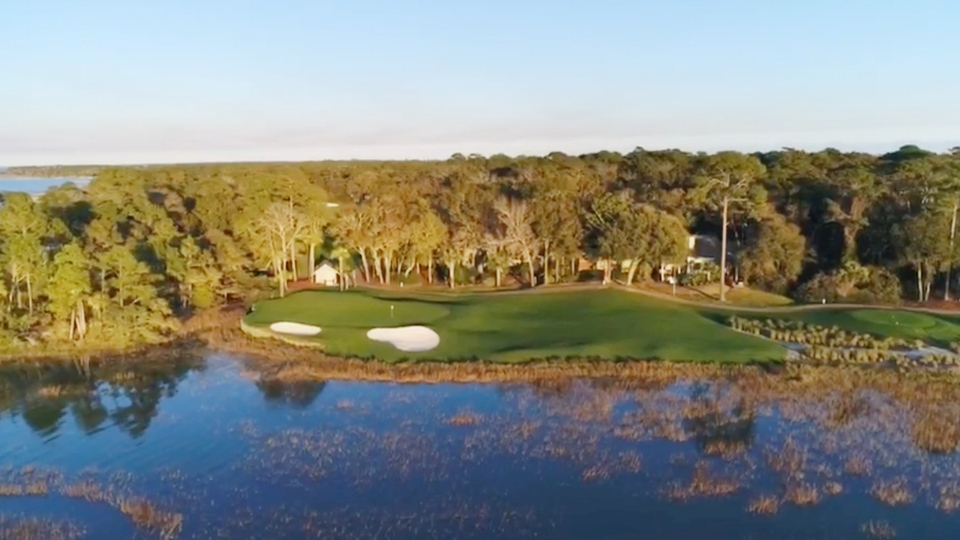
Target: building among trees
(326, 275)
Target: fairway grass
(504, 327)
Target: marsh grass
(833, 488)
(858, 465)
(822, 425)
(764, 504)
(832, 337)
(20, 528)
(705, 483)
(936, 434)
(878, 530)
(835, 345)
(144, 514)
(803, 494)
(894, 492)
(465, 419)
(948, 497)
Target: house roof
(323, 265)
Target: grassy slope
(517, 327)
(710, 294)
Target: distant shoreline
(4, 176)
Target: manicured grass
(933, 329)
(754, 298)
(506, 327)
(740, 296)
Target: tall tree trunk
(342, 277)
(531, 272)
(386, 267)
(81, 320)
(29, 294)
(546, 262)
(430, 271)
(849, 243)
(723, 253)
(376, 265)
(920, 282)
(499, 276)
(365, 264)
(953, 233)
(632, 272)
(557, 264)
(293, 260)
(278, 266)
(312, 262)
(452, 268)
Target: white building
(326, 275)
(702, 250)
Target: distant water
(39, 186)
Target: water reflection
(95, 396)
(296, 394)
(720, 420)
(683, 453)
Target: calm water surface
(237, 457)
(38, 186)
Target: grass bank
(510, 328)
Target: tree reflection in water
(296, 394)
(121, 394)
(719, 419)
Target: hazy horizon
(113, 82)
(879, 150)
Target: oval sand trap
(295, 329)
(407, 338)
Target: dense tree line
(117, 262)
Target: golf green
(516, 327)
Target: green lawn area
(507, 327)
(755, 298)
(934, 329)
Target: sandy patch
(295, 329)
(407, 338)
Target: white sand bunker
(295, 329)
(407, 338)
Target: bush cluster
(814, 335)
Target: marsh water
(235, 455)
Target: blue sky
(122, 81)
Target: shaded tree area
(121, 261)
